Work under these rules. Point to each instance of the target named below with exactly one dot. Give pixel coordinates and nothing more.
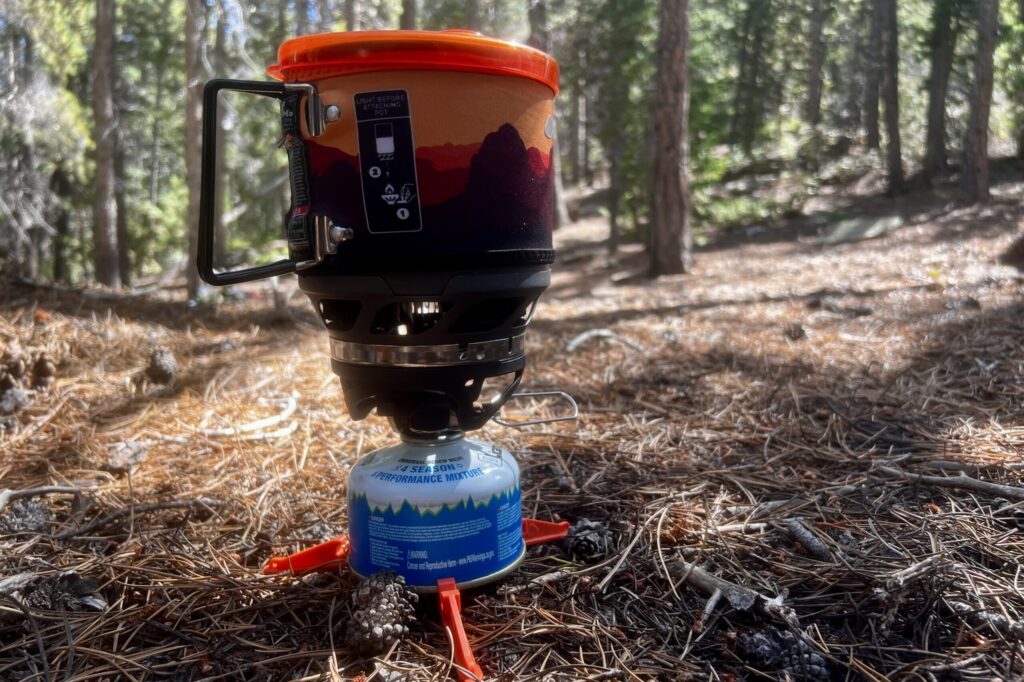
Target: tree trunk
(301, 17)
(816, 61)
(575, 131)
(540, 38)
(351, 15)
(853, 71)
(671, 239)
(743, 60)
(1020, 113)
(474, 15)
(193, 132)
(943, 48)
(104, 227)
(974, 179)
(589, 121)
(407, 22)
(873, 138)
(220, 60)
(756, 43)
(124, 255)
(323, 16)
(615, 195)
(891, 96)
(60, 185)
(154, 143)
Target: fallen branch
(912, 573)
(7, 496)
(540, 580)
(961, 481)
(104, 521)
(739, 597)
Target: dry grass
(709, 437)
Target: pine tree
(891, 96)
(193, 131)
(943, 48)
(974, 179)
(671, 247)
(104, 227)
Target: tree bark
(301, 17)
(575, 131)
(816, 61)
(872, 135)
(756, 42)
(671, 247)
(60, 185)
(104, 227)
(540, 38)
(943, 48)
(474, 15)
(154, 143)
(1020, 114)
(124, 255)
(407, 22)
(351, 15)
(193, 132)
(854, 70)
(615, 182)
(220, 60)
(974, 179)
(323, 16)
(891, 96)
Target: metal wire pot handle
(574, 406)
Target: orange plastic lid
(337, 54)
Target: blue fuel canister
(436, 510)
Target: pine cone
(162, 366)
(25, 516)
(784, 652)
(43, 371)
(13, 400)
(383, 606)
(14, 362)
(66, 591)
(589, 540)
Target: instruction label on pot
(387, 161)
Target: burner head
(421, 347)
(421, 213)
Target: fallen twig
(960, 481)
(103, 521)
(912, 573)
(540, 580)
(6, 496)
(739, 597)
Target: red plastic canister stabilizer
(325, 556)
(324, 55)
(450, 601)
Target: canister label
(387, 162)
(466, 541)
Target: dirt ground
(828, 426)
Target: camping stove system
(420, 168)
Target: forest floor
(839, 428)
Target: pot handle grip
(299, 228)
